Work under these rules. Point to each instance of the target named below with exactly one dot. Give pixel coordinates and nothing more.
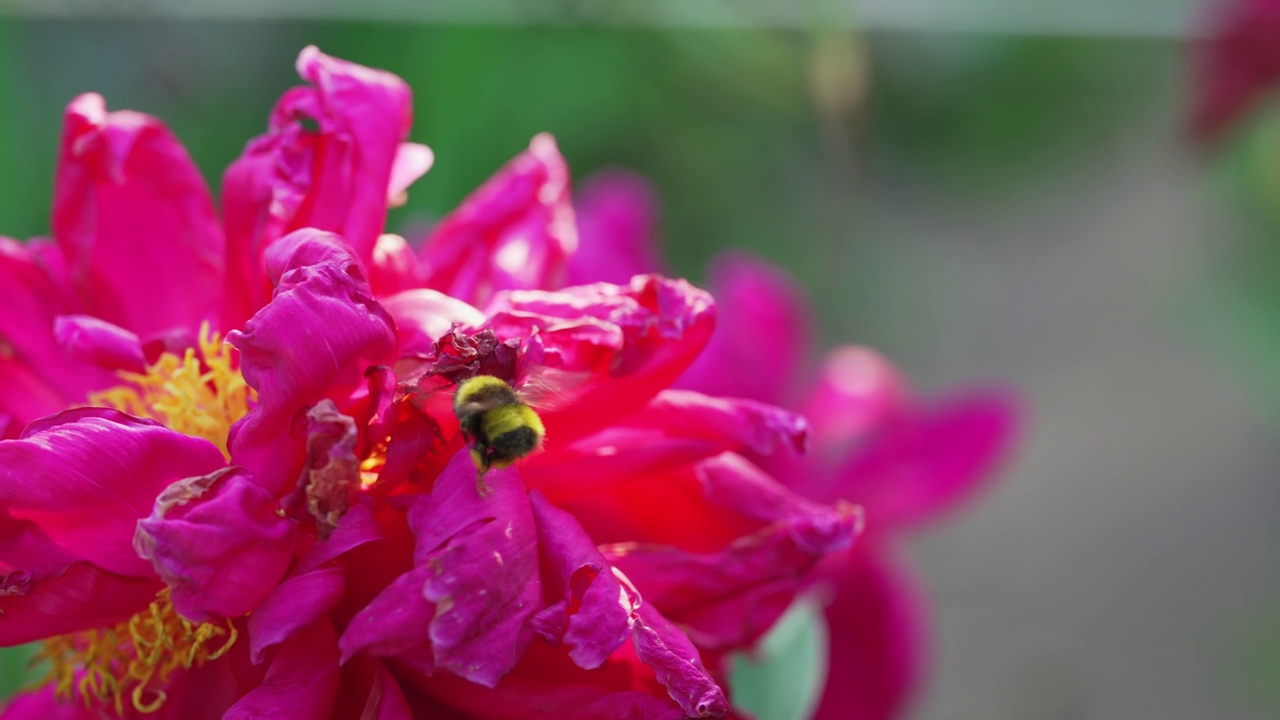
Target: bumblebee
(501, 428)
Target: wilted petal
(483, 556)
(924, 464)
(877, 625)
(314, 340)
(515, 232)
(301, 683)
(761, 336)
(617, 214)
(62, 599)
(99, 343)
(616, 346)
(218, 542)
(135, 220)
(595, 616)
(661, 646)
(86, 476)
(336, 177)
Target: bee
(501, 427)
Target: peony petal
(36, 377)
(679, 667)
(99, 343)
(295, 604)
(423, 316)
(515, 232)
(301, 683)
(1237, 65)
(44, 704)
(62, 599)
(924, 464)
(314, 340)
(857, 391)
(86, 476)
(616, 346)
(595, 617)
(412, 161)
(396, 622)
(148, 276)
(394, 266)
(877, 624)
(764, 318)
(483, 556)
(336, 177)
(218, 542)
(617, 234)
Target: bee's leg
(481, 459)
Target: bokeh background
(982, 190)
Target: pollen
(133, 661)
(198, 393)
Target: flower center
(196, 394)
(135, 658)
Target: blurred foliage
(14, 670)
(784, 677)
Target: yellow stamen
(200, 394)
(135, 658)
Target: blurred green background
(976, 205)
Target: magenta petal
(924, 464)
(1237, 65)
(661, 646)
(423, 316)
(296, 603)
(617, 346)
(37, 377)
(386, 701)
(617, 238)
(301, 682)
(412, 161)
(114, 169)
(335, 178)
(396, 622)
(86, 476)
(314, 340)
(856, 392)
(395, 266)
(601, 616)
(218, 543)
(43, 704)
(763, 318)
(877, 625)
(99, 343)
(516, 231)
(483, 554)
(57, 600)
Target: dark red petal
(62, 599)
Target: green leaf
(14, 669)
(784, 677)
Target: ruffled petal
(485, 581)
(62, 599)
(315, 340)
(99, 343)
(86, 476)
(878, 627)
(218, 542)
(423, 316)
(615, 347)
(763, 319)
(136, 221)
(301, 682)
(927, 462)
(515, 232)
(596, 615)
(293, 605)
(617, 235)
(662, 646)
(336, 177)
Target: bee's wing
(551, 389)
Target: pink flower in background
(872, 443)
(289, 524)
(1236, 66)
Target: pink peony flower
(1236, 66)
(872, 443)
(289, 524)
